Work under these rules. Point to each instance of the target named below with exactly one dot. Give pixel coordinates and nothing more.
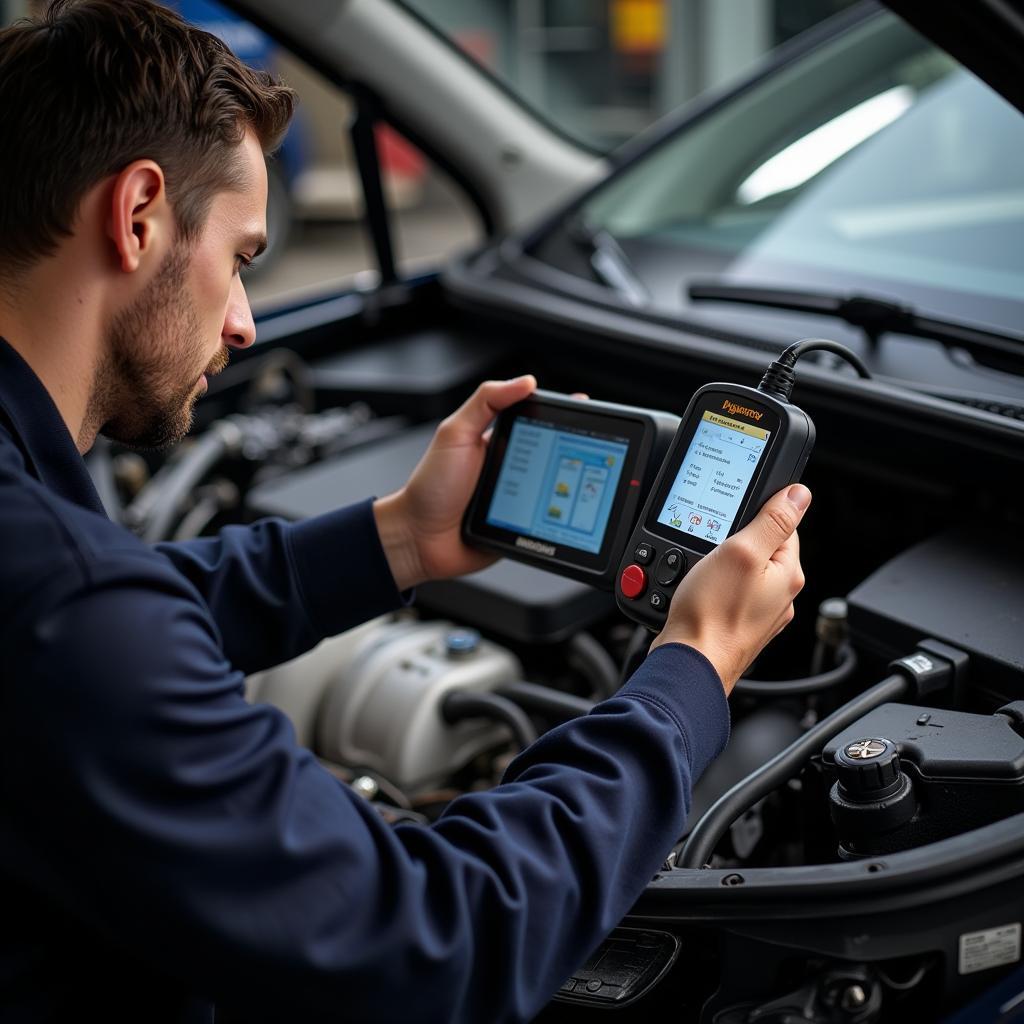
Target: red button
(633, 581)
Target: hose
(595, 663)
(542, 700)
(460, 704)
(842, 673)
(158, 505)
(636, 652)
(101, 468)
(213, 500)
(738, 800)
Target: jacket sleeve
(276, 589)
(189, 828)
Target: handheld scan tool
(562, 483)
(735, 447)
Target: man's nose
(239, 329)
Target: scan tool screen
(558, 484)
(708, 490)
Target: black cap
(868, 769)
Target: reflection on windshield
(931, 200)
(802, 160)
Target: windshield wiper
(609, 262)
(874, 317)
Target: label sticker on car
(991, 948)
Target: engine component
(384, 712)
(297, 687)
(458, 705)
(932, 668)
(966, 771)
(872, 796)
(835, 677)
(841, 994)
(783, 766)
(966, 589)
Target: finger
(476, 413)
(777, 520)
(581, 394)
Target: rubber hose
(596, 663)
(178, 483)
(460, 704)
(636, 652)
(544, 701)
(738, 800)
(799, 687)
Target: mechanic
(164, 845)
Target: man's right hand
(736, 599)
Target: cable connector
(778, 380)
(933, 667)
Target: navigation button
(658, 601)
(644, 554)
(633, 581)
(670, 568)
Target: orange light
(638, 26)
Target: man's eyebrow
(257, 243)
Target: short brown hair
(93, 85)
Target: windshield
(875, 164)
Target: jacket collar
(28, 412)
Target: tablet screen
(558, 483)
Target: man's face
(179, 330)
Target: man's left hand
(420, 525)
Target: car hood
(986, 36)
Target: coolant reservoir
(383, 712)
(298, 686)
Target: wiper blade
(873, 316)
(609, 262)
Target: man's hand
(420, 525)
(740, 596)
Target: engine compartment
(847, 891)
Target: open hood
(986, 36)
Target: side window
(317, 217)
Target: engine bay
(856, 852)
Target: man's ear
(140, 222)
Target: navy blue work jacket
(167, 847)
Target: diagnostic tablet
(563, 481)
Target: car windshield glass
(874, 164)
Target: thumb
(778, 519)
(489, 399)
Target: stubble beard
(145, 389)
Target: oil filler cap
(868, 768)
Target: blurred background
(600, 70)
